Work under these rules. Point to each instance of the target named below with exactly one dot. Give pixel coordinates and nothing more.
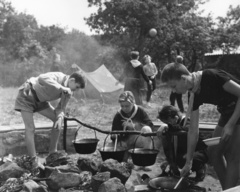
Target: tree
(18, 36)
(228, 30)
(6, 10)
(50, 36)
(126, 23)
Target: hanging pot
(168, 183)
(116, 153)
(86, 145)
(143, 157)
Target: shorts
(28, 102)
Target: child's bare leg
(233, 160)
(217, 158)
(29, 132)
(55, 133)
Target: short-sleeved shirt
(211, 89)
(47, 87)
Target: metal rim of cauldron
(189, 185)
(184, 183)
(111, 154)
(144, 158)
(86, 145)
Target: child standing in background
(151, 71)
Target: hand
(74, 66)
(114, 136)
(227, 133)
(66, 90)
(128, 125)
(162, 130)
(186, 170)
(26, 88)
(58, 123)
(174, 169)
(150, 82)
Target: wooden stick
(111, 132)
(115, 146)
(180, 180)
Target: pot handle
(105, 141)
(76, 133)
(136, 141)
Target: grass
(95, 112)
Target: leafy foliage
(181, 28)
(122, 26)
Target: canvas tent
(101, 84)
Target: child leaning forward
(219, 88)
(176, 159)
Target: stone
(10, 170)
(116, 169)
(32, 186)
(91, 164)
(98, 179)
(63, 180)
(69, 168)
(57, 158)
(112, 185)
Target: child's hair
(179, 59)
(145, 57)
(167, 111)
(173, 71)
(126, 96)
(79, 78)
(134, 54)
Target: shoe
(201, 173)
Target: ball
(152, 32)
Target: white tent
(101, 84)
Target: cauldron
(109, 153)
(115, 152)
(143, 157)
(86, 145)
(168, 184)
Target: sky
(70, 13)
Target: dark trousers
(200, 158)
(178, 97)
(150, 89)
